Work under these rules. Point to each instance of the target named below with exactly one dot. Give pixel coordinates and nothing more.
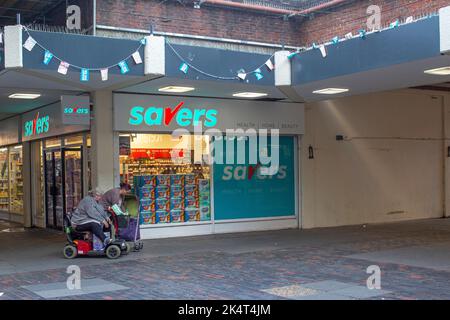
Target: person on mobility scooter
(86, 223)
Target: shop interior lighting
(331, 91)
(445, 71)
(29, 96)
(249, 95)
(176, 89)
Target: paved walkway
(414, 258)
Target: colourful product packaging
(191, 202)
(162, 192)
(190, 179)
(176, 203)
(163, 180)
(177, 179)
(176, 191)
(177, 215)
(147, 206)
(148, 218)
(205, 213)
(192, 214)
(147, 180)
(203, 185)
(190, 190)
(204, 197)
(162, 216)
(147, 192)
(162, 204)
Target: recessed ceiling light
(445, 71)
(331, 91)
(24, 96)
(249, 94)
(176, 89)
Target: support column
(446, 124)
(104, 156)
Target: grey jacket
(88, 210)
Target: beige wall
(390, 167)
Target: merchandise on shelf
(162, 216)
(192, 214)
(147, 206)
(163, 179)
(177, 215)
(162, 204)
(162, 192)
(148, 217)
(205, 213)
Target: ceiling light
(249, 94)
(175, 89)
(331, 91)
(18, 147)
(445, 71)
(3, 149)
(24, 96)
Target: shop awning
(391, 59)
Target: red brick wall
(171, 16)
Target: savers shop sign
(40, 124)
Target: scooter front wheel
(113, 251)
(70, 251)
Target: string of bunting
(241, 74)
(362, 34)
(64, 66)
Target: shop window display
(4, 180)
(169, 186)
(16, 180)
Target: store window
(169, 186)
(242, 191)
(4, 180)
(16, 179)
(11, 180)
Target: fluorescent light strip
(249, 94)
(28, 96)
(331, 91)
(176, 89)
(445, 71)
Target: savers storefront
(238, 172)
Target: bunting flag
(335, 40)
(349, 36)
(137, 57)
(104, 74)
(63, 67)
(123, 66)
(323, 51)
(184, 68)
(84, 75)
(48, 56)
(394, 24)
(242, 75)
(29, 44)
(269, 65)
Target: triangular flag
(1, 37)
(292, 54)
(242, 76)
(323, 51)
(362, 34)
(315, 46)
(84, 74)
(184, 68)
(123, 67)
(349, 36)
(29, 44)
(269, 65)
(394, 24)
(48, 56)
(143, 41)
(258, 76)
(137, 57)
(63, 67)
(335, 40)
(409, 20)
(104, 74)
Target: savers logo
(251, 172)
(36, 126)
(184, 117)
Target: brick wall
(171, 16)
(353, 17)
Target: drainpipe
(255, 7)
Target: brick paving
(241, 266)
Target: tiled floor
(292, 264)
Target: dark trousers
(93, 227)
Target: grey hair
(95, 192)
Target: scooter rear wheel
(70, 251)
(113, 252)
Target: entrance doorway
(63, 183)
